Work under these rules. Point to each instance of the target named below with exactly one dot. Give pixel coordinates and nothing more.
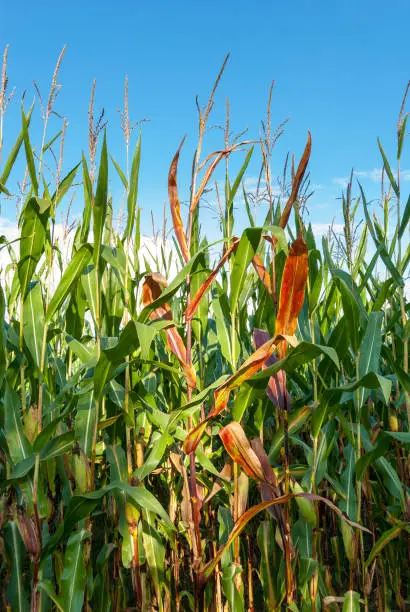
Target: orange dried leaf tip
(262, 272)
(297, 181)
(175, 205)
(292, 291)
(194, 437)
(238, 447)
(151, 291)
(152, 287)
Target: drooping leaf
(151, 291)
(71, 274)
(175, 205)
(238, 447)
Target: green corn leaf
(85, 421)
(81, 506)
(71, 274)
(133, 191)
(8, 166)
(109, 358)
(16, 590)
(383, 249)
(52, 141)
(64, 186)
(33, 321)
(88, 198)
(384, 539)
(155, 554)
(351, 602)
(388, 170)
(32, 243)
(47, 587)
(370, 350)
(73, 578)
(246, 250)
(29, 154)
(3, 352)
(237, 182)
(120, 173)
(100, 203)
(405, 219)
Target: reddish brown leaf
(221, 395)
(175, 205)
(194, 437)
(262, 272)
(297, 181)
(191, 309)
(292, 291)
(248, 369)
(151, 290)
(208, 173)
(276, 389)
(237, 446)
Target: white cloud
(150, 250)
(319, 205)
(342, 181)
(374, 175)
(323, 228)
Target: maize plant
(214, 426)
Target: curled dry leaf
(208, 173)
(238, 447)
(297, 181)
(175, 205)
(151, 290)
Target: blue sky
(340, 70)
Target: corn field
(222, 426)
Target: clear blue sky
(340, 70)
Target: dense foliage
(233, 437)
